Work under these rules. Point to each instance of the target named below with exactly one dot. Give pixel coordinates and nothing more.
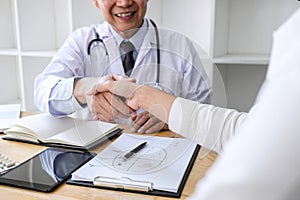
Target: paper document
(163, 161)
(8, 114)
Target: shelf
(15, 52)
(9, 52)
(247, 59)
(12, 101)
(49, 53)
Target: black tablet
(46, 170)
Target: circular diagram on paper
(149, 160)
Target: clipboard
(125, 184)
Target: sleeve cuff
(62, 100)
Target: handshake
(114, 97)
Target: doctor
(162, 58)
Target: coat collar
(149, 43)
(149, 40)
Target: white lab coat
(261, 162)
(181, 71)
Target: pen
(135, 150)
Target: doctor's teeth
(123, 14)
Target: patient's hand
(147, 123)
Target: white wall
(190, 17)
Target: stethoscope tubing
(98, 39)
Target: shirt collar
(136, 39)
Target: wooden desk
(21, 151)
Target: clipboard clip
(124, 183)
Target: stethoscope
(98, 39)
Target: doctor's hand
(147, 123)
(105, 106)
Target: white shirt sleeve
(54, 95)
(54, 86)
(208, 125)
(62, 100)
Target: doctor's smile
(125, 16)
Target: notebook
(68, 132)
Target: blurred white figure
(261, 161)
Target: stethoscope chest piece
(157, 86)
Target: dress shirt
(136, 39)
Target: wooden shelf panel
(248, 59)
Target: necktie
(128, 62)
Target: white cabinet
(237, 34)
(31, 33)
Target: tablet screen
(46, 170)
